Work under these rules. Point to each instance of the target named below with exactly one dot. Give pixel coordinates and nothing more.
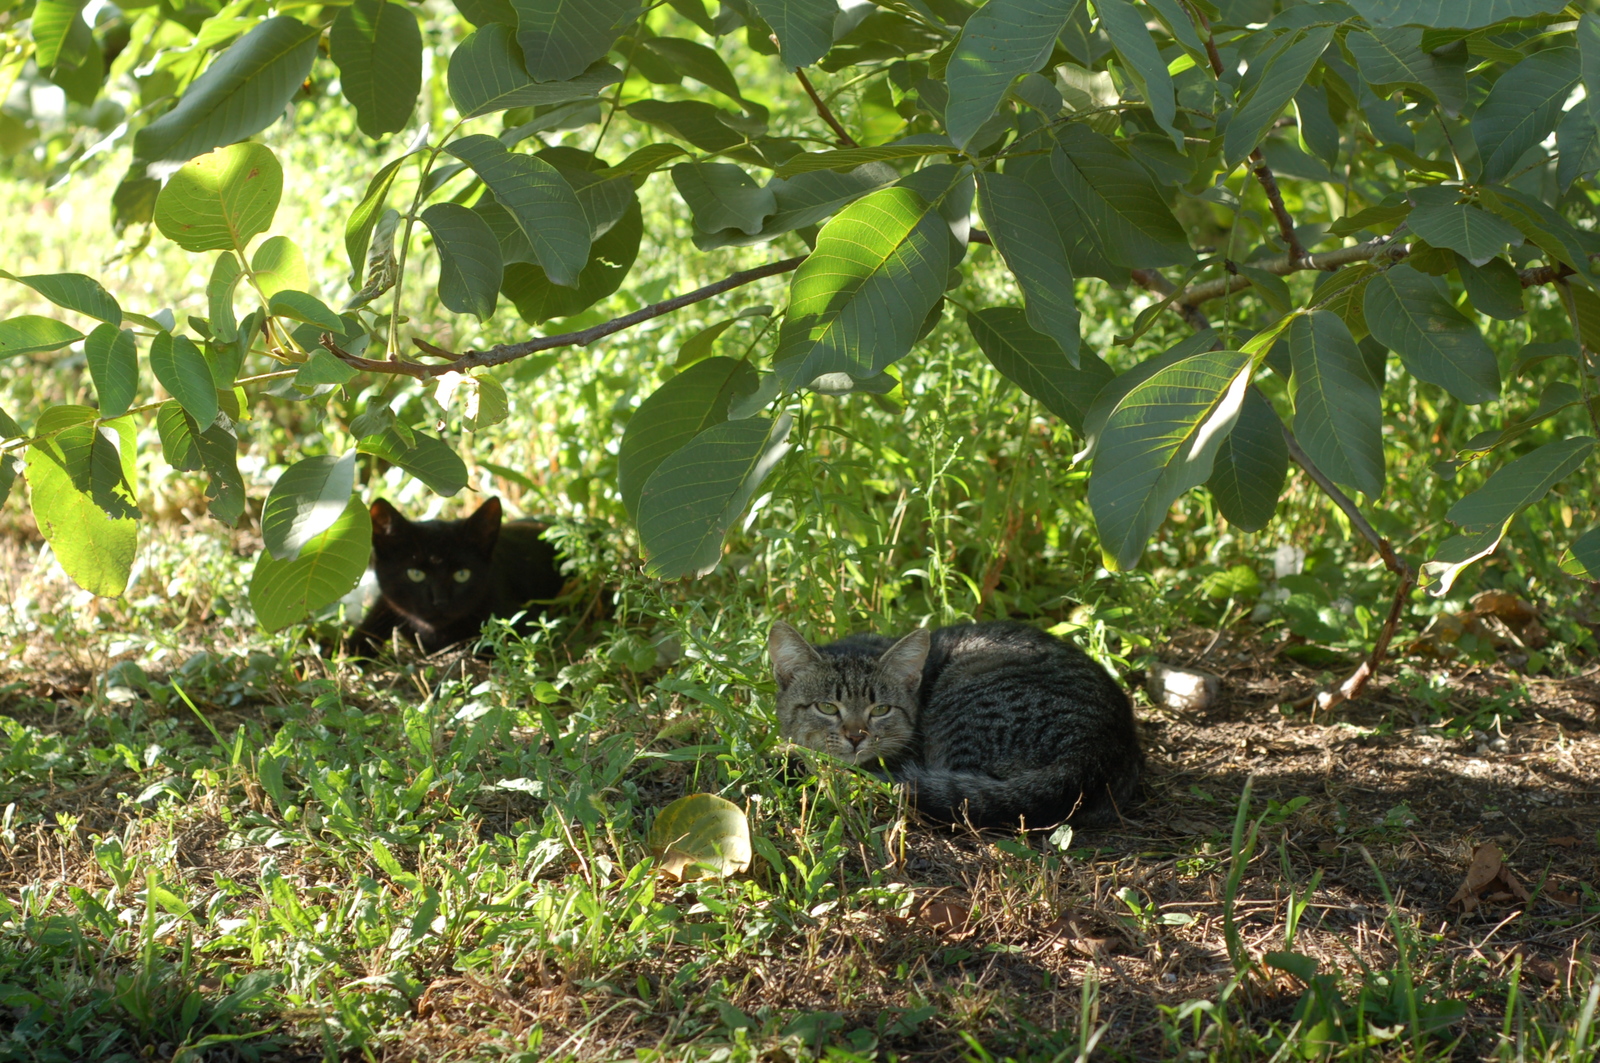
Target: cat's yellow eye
(462, 575)
(828, 709)
(416, 575)
(879, 710)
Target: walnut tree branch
(845, 139)
(510, 352)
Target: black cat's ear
(902, 663)
(483, 527)
(790, 652)
(386, 521)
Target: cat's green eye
(416, 575)
(827, 709)
(879, 710)
(462, 575)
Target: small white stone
(1182, 689)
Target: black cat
(439, 580)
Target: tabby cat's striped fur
(990, 723)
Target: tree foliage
(1323, 183)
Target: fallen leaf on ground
(1487, 878)
(1070, 933)
(1566, 841)
(948, 918)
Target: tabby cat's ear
(483, 527)
(902, 663)
(790, 652)
(386, 521)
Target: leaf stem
(845, 139)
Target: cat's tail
(1040, 797)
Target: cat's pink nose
(855, 739)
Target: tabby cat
(990, 723)
(439, 580)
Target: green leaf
(1002, 40)
(1407, 314)
(52, 25)
(675, 413)
(215, 450)
(299, 306)
(469, 259)
(180, 367)
(81, 486)
(1085, 252)
(1518, 484)
(700, 123)
(1120, 201)
(178, 434)
(850, 158)
(33, 334)
(226, 273)
(10, 469)
(484, 12)
(1275, 75)
(279, 266)
(223, 199)
(487, 75)
(1473, 233)
(695, 495)
(541, 202)
(720, 196)
(610, 259)
(1338, 407)
(1582, 558)
(804, 28)
(1142, 60)
(242, 92)
(1494, 288)
(74, 291)
(1577, 147)
(1036, 363)
(1394, 58)
(326, 568)
(1486, 513)
(809, 199)
(1544, 227)
(323, 368)
(1589, 64)
(308, 498)
(559, 38)
(358, 230)
(113, 358)
(1160, 440)
(378, 49)
(1451, 14)
(486, 403)
(692, 59)
(858, 301)
(1024, 233)
(1522, 109)
(1251, 465)
(701, 835)
(428, 458)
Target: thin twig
(845, 139)
(1353, 685)
(510, 352)
(1269, 184)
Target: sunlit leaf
(694, 496)
(324, 570)
(1003, 39)
(699, 836)
(308, 497)
(81, 486)
(1159, 441)
(223, 199)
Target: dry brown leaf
(1066, 932)
(1505, 606)
(1487, 875)
(1328, 845)
(1566, 841)
(1562, 897)
(945, 917)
